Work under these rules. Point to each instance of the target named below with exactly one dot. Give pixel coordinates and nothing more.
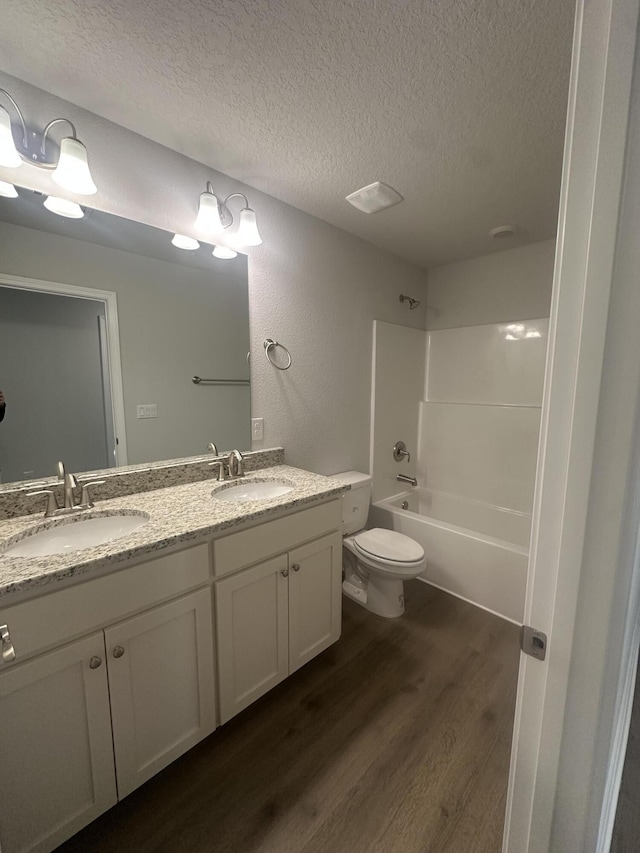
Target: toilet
(377, 561)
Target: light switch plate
(147, 410)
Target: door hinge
(533, 642)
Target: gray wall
(311, 286)
(175, 322)
(55, 405)
(510, 285)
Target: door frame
(572, 710)
(110, 302)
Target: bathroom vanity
(129, 653)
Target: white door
(252, 633)
(161, 681)
(565, 726)
(56, 769)
(315, 598)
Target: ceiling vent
(375, 197)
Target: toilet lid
(389, 545)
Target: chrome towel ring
(269, 345)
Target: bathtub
(475, 551)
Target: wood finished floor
(626, 830)
(395, 740)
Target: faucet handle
(52, 504)
(219, 466)
(85, 497)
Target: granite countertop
(179, 514)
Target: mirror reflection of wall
(51, 384)
(179, 314)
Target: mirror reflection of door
(54, 372)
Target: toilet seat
(389, 548)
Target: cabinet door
(315, 598)
(56, 765)
(161, 681)
(251, 621)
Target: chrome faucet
(212, 448)
(404, 479)
(236, 464)
(70, 485)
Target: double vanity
(119, 655)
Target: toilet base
(382, 597)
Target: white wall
(313, 287)
(498, 288)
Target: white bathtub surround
(496, 364)
(477, 419)
(398, 379)
(482, 453)
(475, 551)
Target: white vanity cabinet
(141, 690)
(161, 684)
(275, 615)
(55, 741)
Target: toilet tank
(355, 502)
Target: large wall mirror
(103, 325)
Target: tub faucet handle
(400, 452)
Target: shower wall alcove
(466, 401)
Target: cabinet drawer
(247, 547)
(55, 618)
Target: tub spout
(404, 479)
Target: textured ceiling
(458, 104)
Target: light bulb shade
(208, 219)
(8, 190)
(72, 171)
(248, 234)
(68, 209)
(8, 152)
(184, 242)
(224, 253)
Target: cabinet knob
(118, 652)
(296, 567)
(285, 573)
(8, 652)
(95, 662)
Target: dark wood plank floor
(396, 740)
(626, 830)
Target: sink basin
(73, 534)
(253, 490)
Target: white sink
(73, 534)
(253, 490)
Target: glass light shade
(62, 207)
(183, 242)
(8, 190)
(8, 152)
(224, 253)
(208, 219)
(248, 234)
(72, 171)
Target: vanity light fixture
(63, 207)
(70, 170)
(224, 253)
(8, 190)
(214, 217)
(183, 242)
